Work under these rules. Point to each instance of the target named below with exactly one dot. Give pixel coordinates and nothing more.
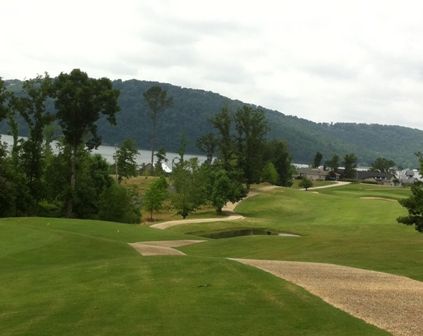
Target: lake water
(108, 151)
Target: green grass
(79, 277)
(336, 225)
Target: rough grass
(76, 277)
(142, 183)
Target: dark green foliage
(414, 205)
(32, 108)
(383, 165)
(157, 101)
(317, 160)
(251, 128)
(155, 195)
(207, 144)
(333, 163)
(350, 165)
(92, 174)
(269, 173)
(222, 122)
(119, 204)
(125, 159)
(3, 100)
(221, 186)
(80, 101)
(306, 183)
(276, 151)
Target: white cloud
(326, 60)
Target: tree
(306, 183)
(221, 187)
(207, 144)
(125, 160)
(157, 101)
(33, 110)
(188, 187)
(350, 164)
(155, 195)
(222, 122)
(119, 204)
(251, 128)
(383, 165)
(3, 100)
(333, 163)
(414, 203)
(161, 158)
(269, 173)
(317, 160)
(277, 152)
(80, 101)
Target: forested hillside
(191, 110)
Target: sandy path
(162, 247)
(336, 184)
(390, 302)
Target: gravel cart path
(391, 302)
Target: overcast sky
(358, 61)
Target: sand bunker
(379, 198)
(163, 247)
(390, 302)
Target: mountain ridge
(193, 108)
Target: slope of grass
(336, 225)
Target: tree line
(36, 179)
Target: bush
(119, 204)
(270, 174)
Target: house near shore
(313, 173)
(408, 176)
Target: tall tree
(383, 165)
(222, 122)
(155, 196)
(350, 164)
(317, 160)
(333, 163)
(157, 101)
(80, 101)
(125, 159)
(188, 187)
(32, 108)
(414, 203)
(207, 144)
(251, 128)
(276, 151)
(3, 100)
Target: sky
(326, 61)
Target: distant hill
(193, 108)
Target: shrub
(119, 204)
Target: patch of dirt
(379, 198)
(162, 247)
(390, 302)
